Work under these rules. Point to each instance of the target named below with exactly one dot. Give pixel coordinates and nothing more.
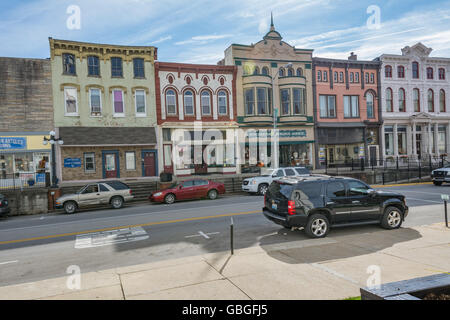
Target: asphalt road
(40, 247)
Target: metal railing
(22, 180)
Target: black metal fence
(24, 180)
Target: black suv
(318, 203)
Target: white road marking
(8, 262)
(202, 234)
(432, 201)
(106, 238)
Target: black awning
(92, 136)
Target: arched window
(206, 102)
(246, 70)
(401, 100)
(415, 70)
(188, 103)
(222, 102)
(416, 100)
(442, 100)
(430, 100)
(357, 77)
(299, 72)
(389, 107)
(351, 77)
(341, 76)
(319, 75)
(441, 74)
(171, 102)
(388, 72)
(256, 71)
(281, 72)
(369, 103)
(265, 71)
(401, 72)
(430, 73)
(325, 76)
(290, 72)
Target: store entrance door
(149, 163)
(110, 165)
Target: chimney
(353, 56)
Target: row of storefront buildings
(121, 113)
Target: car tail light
(291, 207)
(1, 202)
(264, 199)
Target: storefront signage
(322, 154)
(72, 162)
(281, 133)
(11, 143)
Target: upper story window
(389, 106)
(442, 100)
(430, 73)
(206, 102)
(171, 102)
(261, 101)
(281, 72)
(319, 75)
(327, 106)
(430, 100)
(95, 102)
(401, 72)
(71, 101)
(335, 76)
(140, 102)
(415, 70)
(401, 100)
(351, 106)
(138, 67)
(290, 72)
(441, 74)
(188, 103)
(93, 66)
(256, 71)
(118, 103)
(116, 67)
(249, 100)
(69, 64)
(247, 70)
(285, 101)
(357, 77)
(370, 106)
(416, 100)
(366, 76)
(265, 71)
(341, 76)
(222, 102)
(351, 77)
(388, 72)
(299, 101)
(325, 76)
(299, 72)
(372, 78)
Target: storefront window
(401, 140)
(389, 140)
(295, 155)
(23, 162)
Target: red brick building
(346, 110)
(196, 114)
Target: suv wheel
(437, 183)
(212, 194)
(392, 218)
(262, 188)
(170, 198)
(317, 226)
(70, 207)
(117, 202)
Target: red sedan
(187, 190)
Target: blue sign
(11, 143)
(72, 162)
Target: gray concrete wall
(27, 201)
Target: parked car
(441, 175)
(115, 193)
(259, 184)
(187, 190)
(4, 205)
(319, 203)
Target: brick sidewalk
(330, 268)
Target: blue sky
(198, 31)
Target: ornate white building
(415, 99)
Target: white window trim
(226, 103)
(118, 115)
(193, 104)
(90, 104)
(67, 114)
(89, 171)
(210, 104)
(140, 114)
(167, 106)
(126, 161)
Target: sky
(198, 31)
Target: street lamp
(275, 158)
(53, 141)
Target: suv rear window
(307, 190)
(302, 170)
(281, 190)
(117, 185)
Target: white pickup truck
(441, 175)
(259, 185)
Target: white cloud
(203, 39)
(162, 39)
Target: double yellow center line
(129, 226)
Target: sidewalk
(330, 268)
